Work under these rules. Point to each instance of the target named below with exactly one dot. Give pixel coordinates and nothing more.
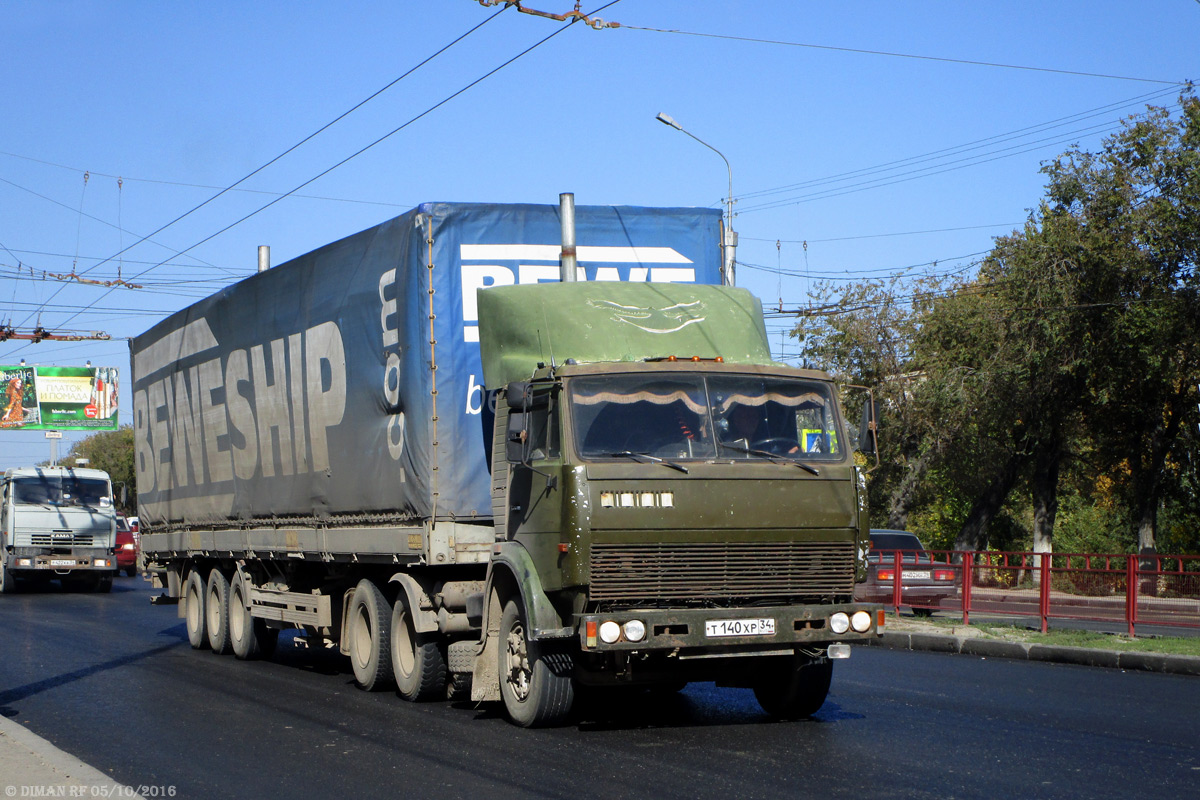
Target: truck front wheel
(536, 685)
(417, 660)
(369, 628)
(194, 615)
(795, 688)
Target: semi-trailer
(417, 445)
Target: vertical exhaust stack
(567, 260)
(264, 258)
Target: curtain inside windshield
(704, 417)
(649, 415)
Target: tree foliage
(1068, 363)
(112, 451)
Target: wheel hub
(518, 663)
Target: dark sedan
(924, 583)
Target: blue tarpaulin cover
(345, 386)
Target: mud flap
(485, 678)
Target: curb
(34, 767)
(1080, 656)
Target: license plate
(918, 574)
(739, 627)
(60, 562)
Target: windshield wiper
(645, 459)
(772, 457)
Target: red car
(127, 547)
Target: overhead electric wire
(227, 270)
(965, 147)
(860, 51)
(878, 235)
(314, 134)
(381, 139)
(187, 185)
(860, 274)
(92, 217)
(287, 151)
(927, 172)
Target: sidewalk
(911, 634)
(32, 767)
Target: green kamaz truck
(507, 492)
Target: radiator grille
(697, 571)
(61, 540)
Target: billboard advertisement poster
(58, 398)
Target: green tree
(1138, 203)
(863, 333)
(112, 451)
(1075, 350)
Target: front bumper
(684, 630)
(79, 560)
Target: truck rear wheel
(249, 637)
(795, 689)
(368, 628)
(216, 610)
(536, 685)
(194, 615)
(417, 661)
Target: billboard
(58, 398)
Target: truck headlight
(861, 621)
(839, 622)
(610, 632)
(635, 630)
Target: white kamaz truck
(57, 522)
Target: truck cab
(694, 515)
(57, 522)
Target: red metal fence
(1130, 589)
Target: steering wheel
(778, 445)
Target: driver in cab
(746, 425)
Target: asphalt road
(112, 680)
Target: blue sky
(892, 161)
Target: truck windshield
(705, 417)
(54, 490)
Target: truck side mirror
(519, 395)
(867, 442)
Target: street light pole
(729, 238)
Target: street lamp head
(666, 120)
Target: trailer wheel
(249, 637)
(368, 627)
(216, 610)
(194, 617)
(536, 684)
(417, 661)
(795, 689)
